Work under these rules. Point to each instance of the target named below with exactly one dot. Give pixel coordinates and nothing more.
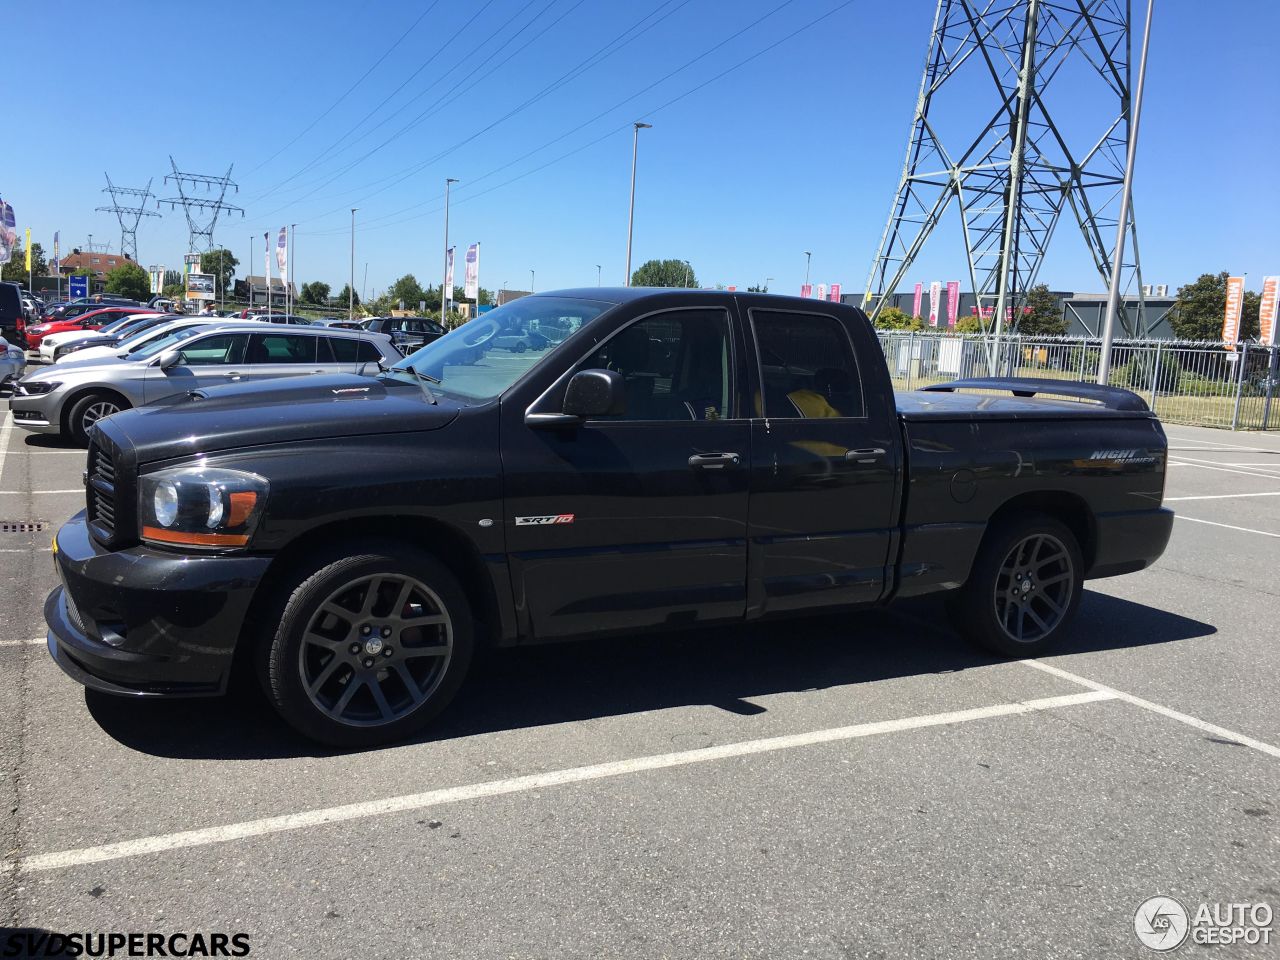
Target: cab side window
(281, 348)
(226, 348)
(807, 368)
(676, 366)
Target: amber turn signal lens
(160, 535)
(242, 504)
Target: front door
(637, 520)
(823, 487)
(203, 362)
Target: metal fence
(1204, 384)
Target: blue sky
(798, 150)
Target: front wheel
(88, 410)
(370, 647)
(1024, 588)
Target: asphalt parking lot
(851, 786)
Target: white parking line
(1224, 496)
(4, 439)
(23, 643)
(537, 781)
(1219, 443)
(1190, 721)
(1229, 526)
(1206, 466)
(38, 492)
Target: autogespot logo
(1161, 923)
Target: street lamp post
(688, 269)
(631, 212)
(444, 281)
(808, 256)
(597, 274)
(291, 272)
(351, 287)
(531, 277)
(767, 281)
(248, 265)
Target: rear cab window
(807, 367)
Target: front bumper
(1129, 541)
(41, 413)
(143, 622)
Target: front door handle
(232, 376)
(865, 455)
(714, 461)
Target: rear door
(824, 468)
(283, 354)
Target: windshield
(480, 359)
(162, 343)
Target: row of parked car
(140, 357)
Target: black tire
(1024, 588)
(365, 697)
(88, 410)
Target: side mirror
(595, 393)
(169, 359)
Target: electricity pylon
(200, 228)
(1023, 114)
(129, 216)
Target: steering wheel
(483, 338)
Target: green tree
(174, 291)
(172, 278)
(664, 273)
(343, 296)
(316, 292)
(1198, 312)
(222, 264)
(891, 318)
(129, 280)
(1044, 316)
(408, 290)
(759, 288)
(969, 324)
(15, 270)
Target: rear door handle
(714, 461)
(865, 455)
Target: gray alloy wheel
(375, 650)
(1033, 588)
(96, 411)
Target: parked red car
(91, 320)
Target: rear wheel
(88, 410)
(370, 647)
(1024, 588)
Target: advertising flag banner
(448, 275)
(57, 260)
(953, 302)
(28, 249)
(1231, 319)
(835, 293)
(8, 237)
(471, 275)
(915, 309)
(282, 252)
(1267, 310)
(935, 297)
(822, 291)
(805, 290)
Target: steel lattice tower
(1023, 113)
(200, 230)
(128, 216)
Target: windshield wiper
(424, 379)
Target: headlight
(36, 388)
(200, 506)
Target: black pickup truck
(672, 458)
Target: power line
(617, 43)
(364, 76)
(613, 131)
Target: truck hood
(308, 407)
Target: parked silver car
(13, 360)
(70, 397)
